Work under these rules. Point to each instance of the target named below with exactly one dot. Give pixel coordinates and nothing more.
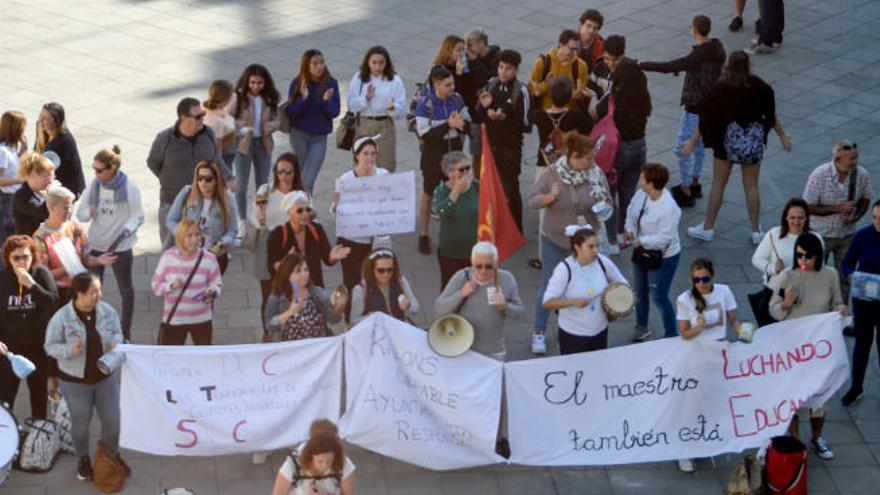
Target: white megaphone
(450, 335)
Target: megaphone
(450, 335)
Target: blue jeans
(122, 272)
(630, 158)
(242, 166)
(656, 283)
(310, 149)
(81, 399)
(690, 166)
(551, 255)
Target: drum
(8, 441)
(618, 300)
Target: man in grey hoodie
(702, 67)
(175, 153)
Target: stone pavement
(120, 66)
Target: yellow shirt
(558, 68)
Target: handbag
(164, 326)
(746, 478)
(649, 259)
(345, 131)
(760, 303)
(40, 447)
(605, 131)
(109, 474)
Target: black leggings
(36, 381)
(571, 344)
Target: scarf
(568, 175)
(118, 184)
(374, 300)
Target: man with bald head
(838, 193)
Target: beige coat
(270, 117)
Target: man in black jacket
(504, 108)
(702, 67)
(632, 107)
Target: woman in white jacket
(113, 204)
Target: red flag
(495, 223)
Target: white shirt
(258, 116)
(204, 218)
(718, 303)
(771, 249)
(303, 488)
(112, 218)
(275, 214)
(586, 281)
(385, 92)
(9, 166)
(659, 225)
(348, 176)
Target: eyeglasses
(800, 255)
(382, 271)
(304, 209)
(484, 267)
(20, 257)
(99, 170)
(284, 171)
(701, 280)
(464, 169)
(206, 178)
(198, 116)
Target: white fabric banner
(671, 398)
(405, 401)
(376, 205)
(227, 399)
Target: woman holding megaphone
(28, 296)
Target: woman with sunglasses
(113, 206)
(365, 151)
(28, 297)
(808, 288)
(209, 203)
(302, 235)
(298, 309)
(383, 288)
(708, 309)
(268, 214)
(583, 324)
(457, 203)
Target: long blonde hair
(219, 189)
(55, 110)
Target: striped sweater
(175, 266)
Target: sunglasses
(20, 257)
(483, 267)
(464, 169)
(99, 170)
(284, 171)
(198, 116)
(808, 256)
(848, 147)
(304, 209)
(701, 280)
(206, 178)
(382, 271)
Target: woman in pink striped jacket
(188, 307)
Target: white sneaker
(698, 232)
(539, 346)
(686, 465)
(242, 229)
(612, 250)
(641, 334)
(822, 449)
(757, 236)
(259, 457)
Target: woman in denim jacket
(78, 335)
(207, 202)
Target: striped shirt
(175, 266)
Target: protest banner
(405, 401)
(376, 205)
(672, 399)
(227, 399)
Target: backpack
(568, 272)
(335, 479)
(553, 150)
(422, 90)
(41, 446)
(607, 139)
(547, 66)
(746, 478)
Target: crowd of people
(594, 190)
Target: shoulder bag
(648, 259)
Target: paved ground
(120, 66)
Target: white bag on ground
(41, 446)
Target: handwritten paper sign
(378, 205)
(672, 399)
(214, 400)
(405, 401)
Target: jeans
(242, 166)
(838, 246)
(166, 237)
(81, 399)
(310, 149)
(690, 166)
(772, 21)
(630, 158)
(122, 272)
(551, 255)
(655, 283)
(866, 320)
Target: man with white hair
(484, 295)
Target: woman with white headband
(365, 151)
(383, 289)
(575, 290)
